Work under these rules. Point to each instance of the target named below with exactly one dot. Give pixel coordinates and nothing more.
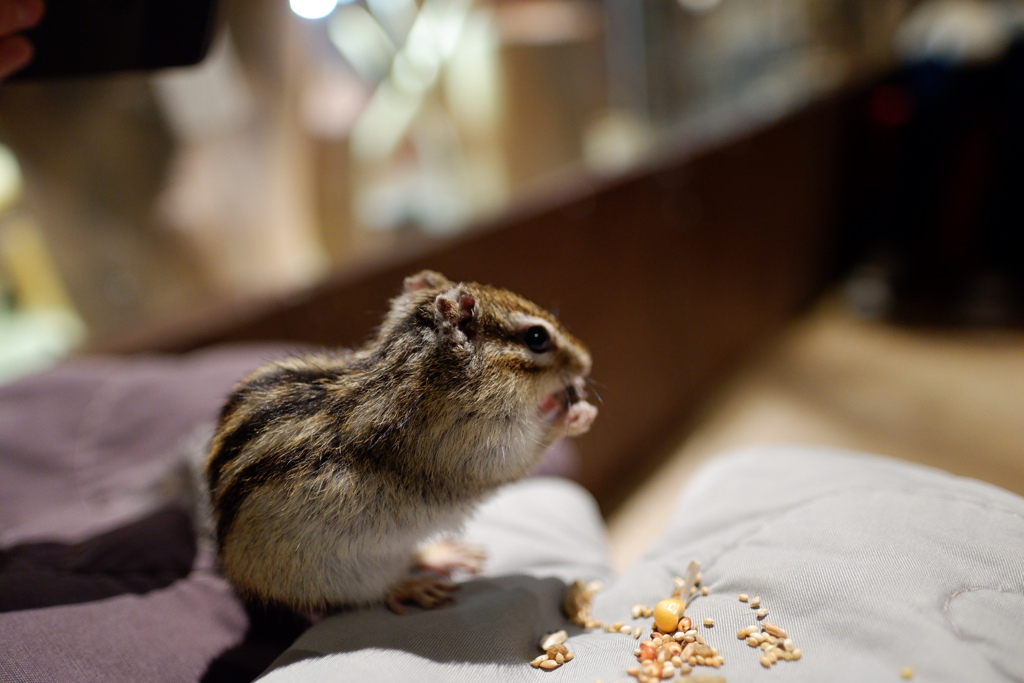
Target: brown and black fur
(327, 471)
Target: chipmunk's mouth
(567, 411)
(559, 402)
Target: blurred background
(319, 134)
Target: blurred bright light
(700, 5)
(312, 9)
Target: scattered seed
(685, 624)
(636, 632)
(576, 603)
(667, 613)
(755, 602)
(704, 590)
(626, 629)
(549, 664)
(560, 658)
(744, 597)
(555, 650)
(906, 673)
(766, 662)
(743, 633)
(762, 613)
(773, 629)
(752, 641)
(537, 660)
(708, 622)
(556, 638)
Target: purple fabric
(100, 577)
(97, 580)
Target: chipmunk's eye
(537, 339)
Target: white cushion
(870, 564)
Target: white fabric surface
(870, 564)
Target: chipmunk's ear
(455, 310)
(426, 279)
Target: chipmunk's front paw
(579, 417)
(429, 591)
(449, 555)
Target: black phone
(85, 37)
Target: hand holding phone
(95, 37)
(15, 49)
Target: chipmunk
(328, 471)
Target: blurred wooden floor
(949, 399)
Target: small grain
(744, 597)
(743, 633)
(906, 673)
(773, 629)
(762, 613)
(549, 664)
(704, 590)
(708, 622)
(755, 602)
(556, 638)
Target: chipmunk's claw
(429, 591)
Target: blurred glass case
(321, 133)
